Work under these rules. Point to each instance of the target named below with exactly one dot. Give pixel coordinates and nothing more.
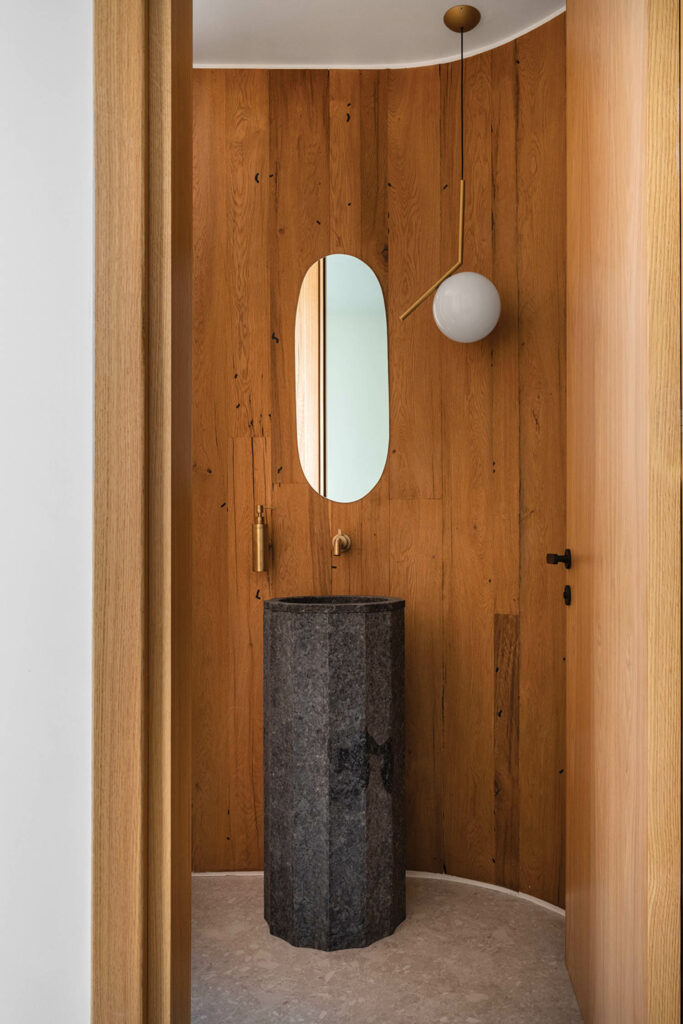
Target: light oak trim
(141, 737)
(119, 879)
(664, 515)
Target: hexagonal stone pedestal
(334, 769)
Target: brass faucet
(341, 542)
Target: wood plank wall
(290, 166)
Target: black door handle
(566, 558)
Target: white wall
(46, 366)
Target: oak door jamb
(141, 733)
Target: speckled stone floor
(464, 955)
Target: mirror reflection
(342, 378)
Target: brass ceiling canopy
(462, 18)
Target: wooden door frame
(142, 507)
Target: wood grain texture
(169, 562)
(664, 513)
(415, 469)
(541, 196)
(119, 927)
(231, 461)
(366, 162)
(469, 515)
(506, 748)
(141, 737)
(624, 478)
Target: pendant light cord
(462, 108)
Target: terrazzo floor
(464, 955)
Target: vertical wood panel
(506, 748)
(541, 193)
(416, 568)
(142, 605)
(467, 411)
(346, 209)
(443, 526)
(505, 465)
(416, 572)
(209, 532)
(623, 482)
(170, 509)
(415, 460)
(375, 523)
(119, 927)
(245, 715)
(413, 169)
(606, 851)
(346, 184)
(232, 417)
(506, 468)
(299, 118)
(665, 400)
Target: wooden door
(623, 512)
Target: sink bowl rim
(334, 603)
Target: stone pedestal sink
(334, 769)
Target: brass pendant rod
(456, 266)
(460, 19)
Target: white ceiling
(350, 33)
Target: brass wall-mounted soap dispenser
(258, 540)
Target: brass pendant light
(466, 306)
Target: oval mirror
(342, 378)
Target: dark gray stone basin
(334, 769)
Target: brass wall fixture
(341, 542)
(258, 540)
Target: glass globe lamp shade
(466, 307)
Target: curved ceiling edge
(445, 59)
